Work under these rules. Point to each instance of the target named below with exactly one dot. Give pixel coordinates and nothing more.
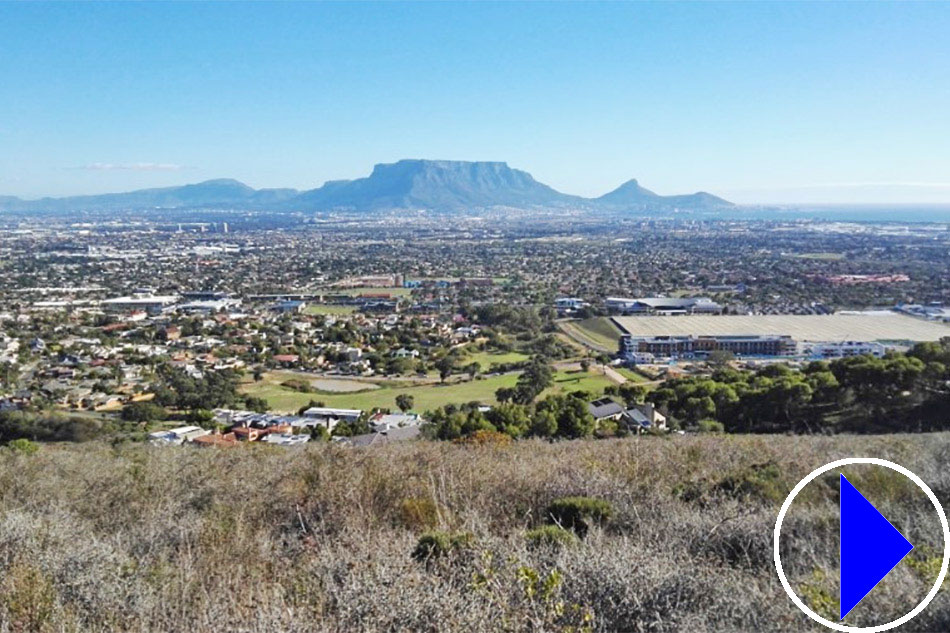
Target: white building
(207, 306)
(662, 305)
(286, 439)
(386, 421)
(152, 304)
(843, 349)
(565, 305)
(329, 417)
(177, 436)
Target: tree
(445, 365)
(720, 358)
(698, 408)
(404, 401)
(143, 412)
(535, 378)
(631, 392)
(310, 405)
(201, 417)
(472, 369)
(570, 414)
(509, 418)
(258, 405)
(543, 424)
(505, 394)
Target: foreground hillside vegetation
(636, 534)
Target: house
(286, 359)
(643, 417)
(402, 352)
(8, 345)
(605, 409)
(216, 439)
(386, 421)
(286, 439)
(246, 433)
(178, 435)
(329, 417)
(105, 402)
(569, 305)
(384, 437)
(289, 307)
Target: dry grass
(258, 538)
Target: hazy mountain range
(437, 185)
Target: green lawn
(487, 359)
(329, 310)
(630, 375)
(395, 292)
(597, 332)
(427, 397)
(566, 381)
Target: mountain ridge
(436, 185)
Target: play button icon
(870, 546)
(869, 549)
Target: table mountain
(437, 185)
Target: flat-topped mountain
(436, 185)
(440, 185)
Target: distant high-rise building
(224, 227)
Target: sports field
(877, 326)
(426, 396)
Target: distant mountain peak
(412, 183)
(628, 192)
(221, 181)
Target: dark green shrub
(578, 513)
(47, 427)
(434, 545)
(298, 384)
(710, 426)
(763, 481)
(143, 412)
(550, 536)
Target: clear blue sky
(756, 102)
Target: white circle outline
(848, 462)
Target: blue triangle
(870, 546)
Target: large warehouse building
(829, 336)
(662, 305)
